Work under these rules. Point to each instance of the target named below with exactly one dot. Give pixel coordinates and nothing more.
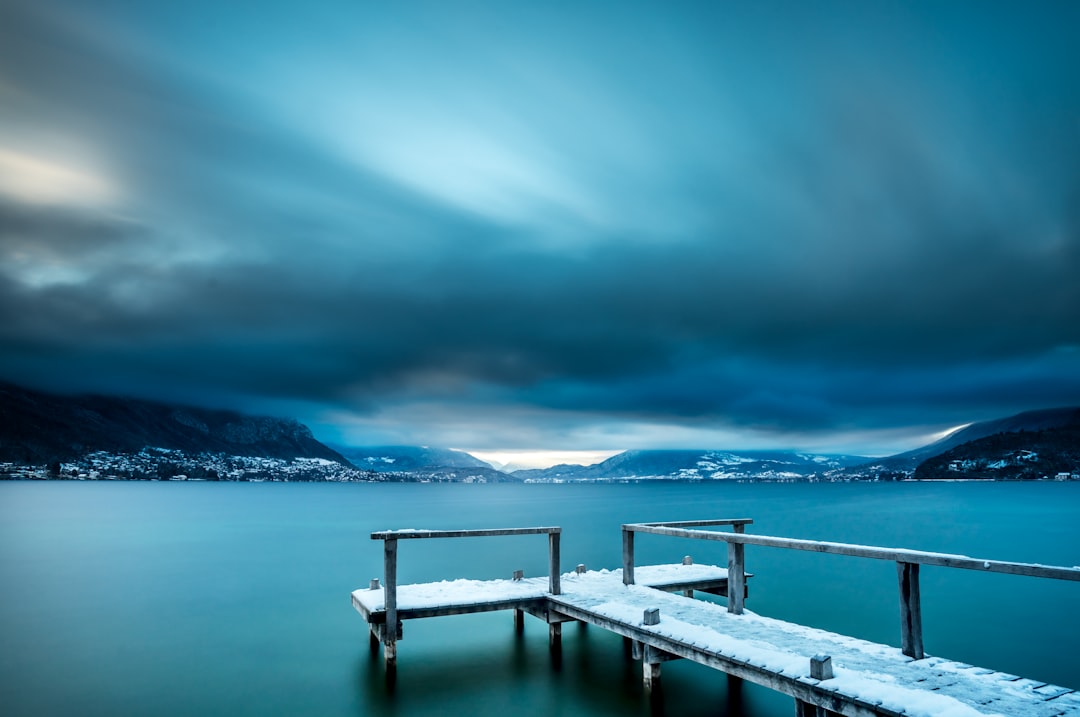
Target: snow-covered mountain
(699, 465)
(424, 463)
(389, 459)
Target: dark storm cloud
(845, 216)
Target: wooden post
(650, 668)
(627, 556)
(911, 642)
(580, 569)
(390, 630)
(374, 584)
(734, 694)
(519, 621)
(821, 667)
(739, 528)
(555, 635)
(373, 641)
(805, 709)
(736, 566)
(651, 673)
(554, 571)
(651, 616)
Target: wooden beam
(554, 569)
(736, 567)
(555, 635)
(911, 641)
(656, 655)
(738, 523)
(627, 555)
(484, 533)
(390, 631)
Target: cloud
(576, 227)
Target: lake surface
(233, 598)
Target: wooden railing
(907, 566)
(390, 540)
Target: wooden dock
(652, 606)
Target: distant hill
(36, 428)
(1027, 421)
(1021, 454)
(424, 463)
(388, 459)
(699, 464)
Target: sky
(548, 227)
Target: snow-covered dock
(653, 607)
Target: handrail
(901, 555)
(392, 628)
(736, 523)
(482, 533)
(907, 565)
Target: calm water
(233, 599)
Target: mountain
(1021, 454)
(424, 463)
(37, 428)
(388, 459)
(1028, 421)
(697, 465)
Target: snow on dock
(450, 597)
(876, 679)
(653, 609)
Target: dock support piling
(390, 630)
(555, 635)
(650, 674)
(734, 694)
(627, 556)
(650, 667)
(519, 621)
(911, 642)
(736, 565)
